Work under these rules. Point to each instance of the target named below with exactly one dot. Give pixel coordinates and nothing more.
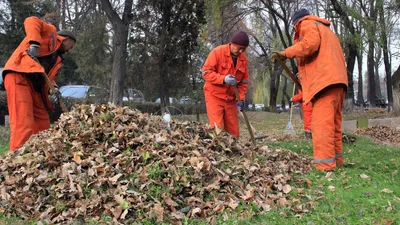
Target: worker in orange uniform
(322, 72)
(226, 66)
(307, 113)
(27, 92)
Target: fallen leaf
(385, 190)
(331, 188)
(286, 189)
(364, 176)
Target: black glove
(55, 97)
(33, 50)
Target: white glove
(230, 79)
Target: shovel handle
(253, 140)
(52, 88)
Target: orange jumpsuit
(220, 98)
(28, 109)
(323, 75)
(307, 110)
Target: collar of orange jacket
(312, 17)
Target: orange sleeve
(309, 43)
(298, 97)
(242, 87)
(33, 27)
(210, 68)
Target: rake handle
(253, 140)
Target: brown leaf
(178, 215)
(158, 212)
(195, 211)
(364, 176)
(77, 158)
(286, 189)
(331, 188)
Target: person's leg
(323, 130)
(231, 120)
(215, 111)
(20, 108)
(40, 113)
(338, 125)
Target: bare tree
(121, 29)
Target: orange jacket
(219, 63)
(43, 33)
(319, 56)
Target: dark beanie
(299, 14)
(240, 38)
(67, 33)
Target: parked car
(185, 100)
(171, 100)
(85, 94)
(259, 107)
(133, 95)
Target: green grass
(4, 138)
(354, 200)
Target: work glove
(280, 54)
(55, 97)
(33, 50)
(240, 106)
(230, 79)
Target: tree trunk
(396, 92)
(371, 74)
(386, 55)
(163, 73)
(370, 58)
(119, 64)
(360, 94)
(121, 29)
(284, 94)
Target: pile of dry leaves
(382, 134)
(102, 162)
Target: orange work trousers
(307, 116)
(223, 114)
(327, 127)
(27, 112)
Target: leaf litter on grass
(105, 163)
(382, 134)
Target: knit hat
(299, 14)
(240, 38)
(67, 33)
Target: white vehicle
(259, 107)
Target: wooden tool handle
(288, 71)
(253, 140)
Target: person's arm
(210, 69)
(310, 42)
(298, 97)
(243, 85)
(33, 27)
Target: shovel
(289, 130)
(253, 140)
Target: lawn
(364, 191)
